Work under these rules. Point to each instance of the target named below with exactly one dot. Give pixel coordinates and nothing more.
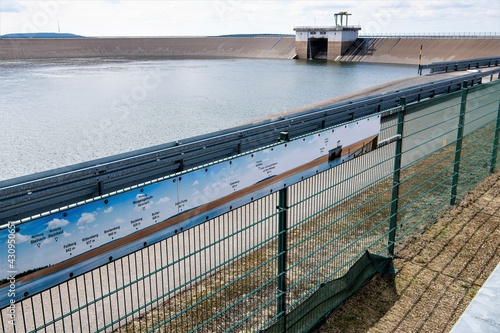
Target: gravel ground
(439, 272)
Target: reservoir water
(59, 113)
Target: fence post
(495, 143)
(396, 176)
(282, 247)
(282, 254)
(458, 148)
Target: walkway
(482, 314)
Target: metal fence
(434, 35)
(248, 269)
(460, 65)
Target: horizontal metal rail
(460, 65)
(326, 27)
(30, 195)
(434, 35)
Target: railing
(26, 196)
(460, 65)
(270, 264)
(434, 35)
(326, 27)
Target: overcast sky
(208, 18)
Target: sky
(211, 18)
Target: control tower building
(325, 42)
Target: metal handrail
(325, 27)
(434, 35)
(450, 66)
(34, 194)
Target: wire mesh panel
(335, 217)
(345, 220)
(228, 263)
(479, 131)
(428, 155)
(435, 155)
(215, 277)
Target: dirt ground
(439, 272)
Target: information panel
(48, 242)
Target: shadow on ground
(364, 308)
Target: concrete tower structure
(325, 42)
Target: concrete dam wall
(407, 50)
(199, 47)
(378, 50)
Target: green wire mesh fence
(282, 262)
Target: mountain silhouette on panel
(41, 35)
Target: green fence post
(495, 143)
(282, 254)
(396, 177)
(458, 147)
(282, 247)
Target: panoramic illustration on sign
(55, 238)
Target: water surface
(58, 113)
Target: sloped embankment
(196, 47)
(407, 50)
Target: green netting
(331, 294)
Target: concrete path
(483, 313)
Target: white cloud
(119, 221)
(66, 234)
(21, 238)
(10, 6)
(163, 200)
(108, 210)
(86, 218)
(46, 241)
(196, 182)
(57, 223)
(214, 189)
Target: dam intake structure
(325, 43)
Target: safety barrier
(250, 268)
(23, 197)
(460, 65)
(434, 35)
